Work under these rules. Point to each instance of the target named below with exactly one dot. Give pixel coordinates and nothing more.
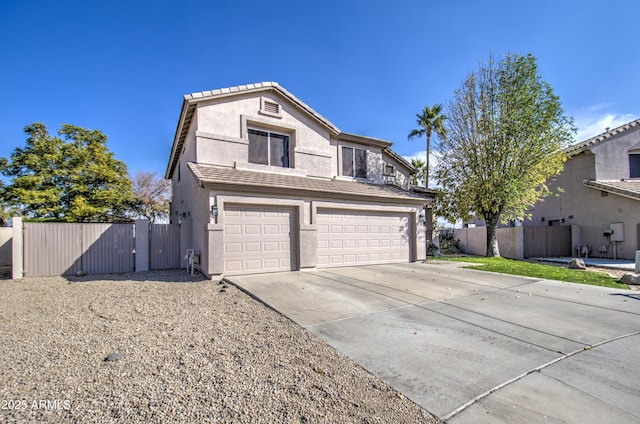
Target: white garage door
(362, 237)
(259, 239)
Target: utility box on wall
(618, 231)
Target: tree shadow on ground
(630, 296)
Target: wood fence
(518, 242)
(67, 249)
(542, 242)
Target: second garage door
(362, 237)
(259, 239)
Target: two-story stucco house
(601, 194)
(262, 183)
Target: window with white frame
(268, 148)
(354, 162)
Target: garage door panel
(233, 247)
(259, 239)
(233, 229)
(233, 266)
(362, 237)
(251, 229)
(253, 264)
(271, 246)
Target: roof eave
(613, 190)
(319, 193)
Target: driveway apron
(471, 346)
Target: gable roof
(191, 100)
(601, 138)
(250, 180)
(400, 159)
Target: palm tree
(418, 176)
(430, 120)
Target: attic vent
(269, 107)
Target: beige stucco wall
(589, 208)
(220, 137)
(225, 122)
(6, 233)
(612, 156)
(401, 173)
(190, 202)
(473, 241)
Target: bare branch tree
(153, 194)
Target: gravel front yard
(193, 352)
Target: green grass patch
(536, 270)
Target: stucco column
(520, 243)
(576, 238)
(16, 249)
(308, 246)
(142, 245)
(214, 266)
(419, 246)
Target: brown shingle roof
(250, 180)
(585, 145)
(626, 188)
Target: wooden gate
(540, 242)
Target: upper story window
(389, 169)
(354, 162)
(634, 165)
(268, 148)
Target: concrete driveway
(475, 347)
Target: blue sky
(368, 66)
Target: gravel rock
(193, 354)
(577, 264)
(630, 278)
(114, 357)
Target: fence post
(142, 245)
(17, 264)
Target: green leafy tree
(506, 131)
(73, 178)
(153, 194)
(418, 176)
(431, 121)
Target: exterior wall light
(214, 211)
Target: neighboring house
(262, 183)
(601, 194)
